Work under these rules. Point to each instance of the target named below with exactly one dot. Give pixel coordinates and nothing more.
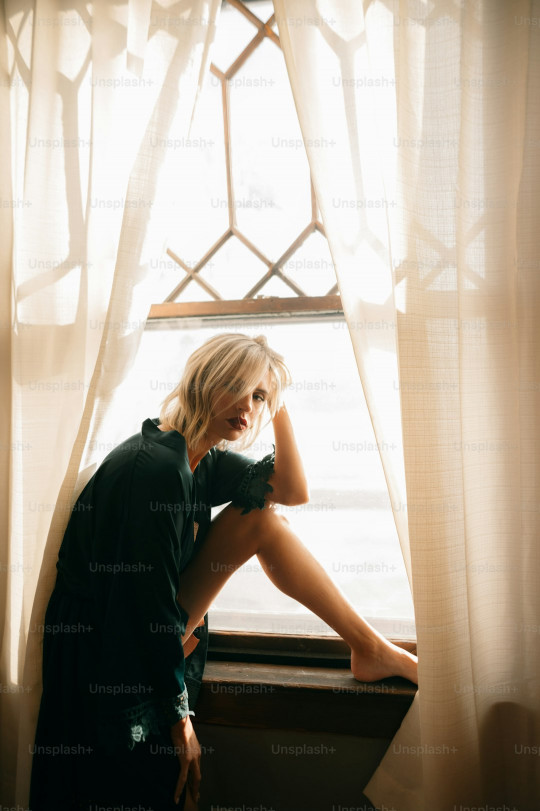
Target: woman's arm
(288, 480)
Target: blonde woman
(139, 566)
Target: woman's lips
(238, 423)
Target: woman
(139, 566)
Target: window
(347, 524)
(249, 227)
(249, 254)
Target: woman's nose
(245, 403)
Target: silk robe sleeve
(242, 480)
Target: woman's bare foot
(378, 659)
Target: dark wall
(276, 770)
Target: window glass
(348, 523)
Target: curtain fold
(90, 96)
(422, 128)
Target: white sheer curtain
(89, 95)
(422, 127)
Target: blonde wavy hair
(230, 360)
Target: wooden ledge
(313, 699)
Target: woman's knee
(255, 524)
(268, 515)
(266, 522)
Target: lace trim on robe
(148, 717)
(254, 487)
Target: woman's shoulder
(150, 452)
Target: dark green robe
(114, 675)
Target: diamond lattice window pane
(270, 183)
(263, 9)
(276, 287)
(200, 185)
(270, 169)
(311, 267)
(194, 292)
(167, 274)
(233, 270)
(234, 32)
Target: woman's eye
(258, 397)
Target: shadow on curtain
(88, 101)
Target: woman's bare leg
(234, 538)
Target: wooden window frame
(288, 681)
(265, 305)
(303, 682)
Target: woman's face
(232, 416)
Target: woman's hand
(191, 642)
(187, 748)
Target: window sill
(305, 695)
